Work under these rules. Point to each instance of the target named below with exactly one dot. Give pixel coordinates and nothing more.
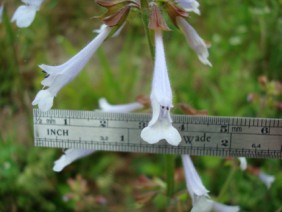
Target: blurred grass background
(246, 43)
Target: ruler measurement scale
(201, 135)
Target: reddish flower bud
(156, 20)
(117, 11)
(174, 11)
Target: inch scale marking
(201, 135)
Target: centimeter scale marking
(201, 135)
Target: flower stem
(227, 183)
(144, 15)
(169, 163)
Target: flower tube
(58, 76)
(160, 127)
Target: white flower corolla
(124, 108)
(194, 40)
(58, 76)
(44, 100)
(160, 127)
(218, 207)
(266, 178)
(25, 14)
(1, 12)
(189, 5)
(198, 192)
(204, 204)
(71, 155)
(194, 183)
(243, 163)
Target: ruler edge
(175, 117)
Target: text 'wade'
(196, 138)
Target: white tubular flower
(69, 156)
(58, 76)
(25, 14)
(266, 179)
(189, 5)
(72, 155)
(195, 41)
(124, 108)
(160, 126)
(218, 207)
(198, 192)
(1, 12)
(194, 183)
(243, 163)
(204, 204)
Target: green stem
(144, 14)
(169, 162)
(227, 183)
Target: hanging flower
(199, 194)
(160, 127)
(25, 14)
(178, 15)
(266, 178)
(58, 76)
(71, 155)
(195, 41)
(189, 5)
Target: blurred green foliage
(246, 42)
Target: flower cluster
(160, 126)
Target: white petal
(195, 41)
(69, 156)
(24, 16)
(218, 207)
(124, 108)
(202, 204)
(161, 130)
(44, 100)
(194, 183)
(266, 178)
(190, 5)
(59, 76)
(243, 163)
